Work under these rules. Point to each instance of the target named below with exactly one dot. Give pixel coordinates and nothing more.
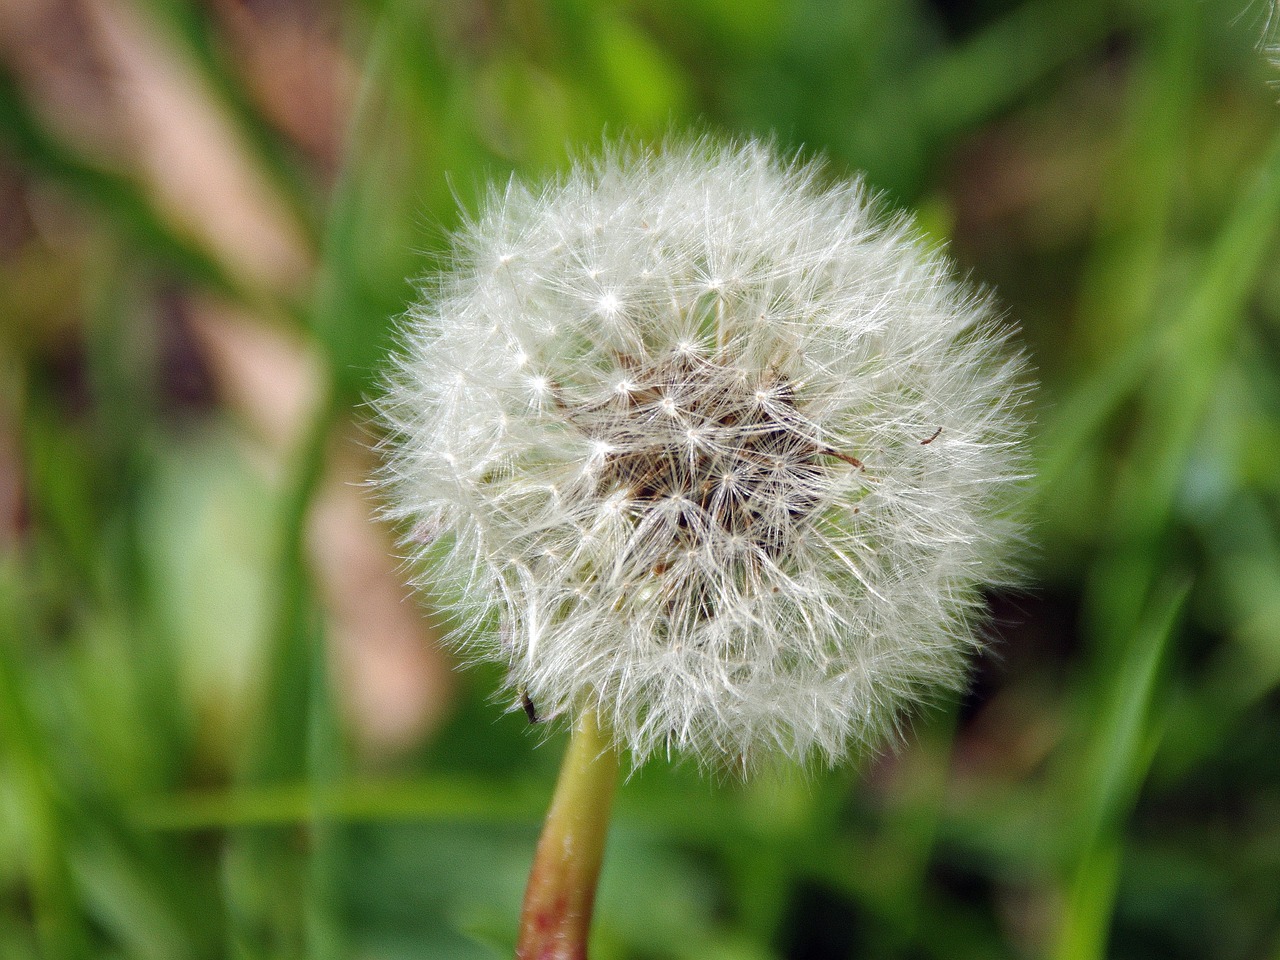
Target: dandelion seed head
(676, 450)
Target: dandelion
(711, 455)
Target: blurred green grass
(210, 217)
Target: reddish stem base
(556, 918)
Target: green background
(187, 767)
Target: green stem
(556, 916)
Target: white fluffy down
(696, 441)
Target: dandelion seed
(709, 516)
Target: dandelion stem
(556, 916)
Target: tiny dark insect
(928, 440)
(530, 710)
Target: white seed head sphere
(695, 441)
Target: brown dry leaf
(390, 674)
(299, 74)
(266, 373)
(192, 156)
(395, 685)
(46, 43)
(108, 81)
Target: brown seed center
(729, 449)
